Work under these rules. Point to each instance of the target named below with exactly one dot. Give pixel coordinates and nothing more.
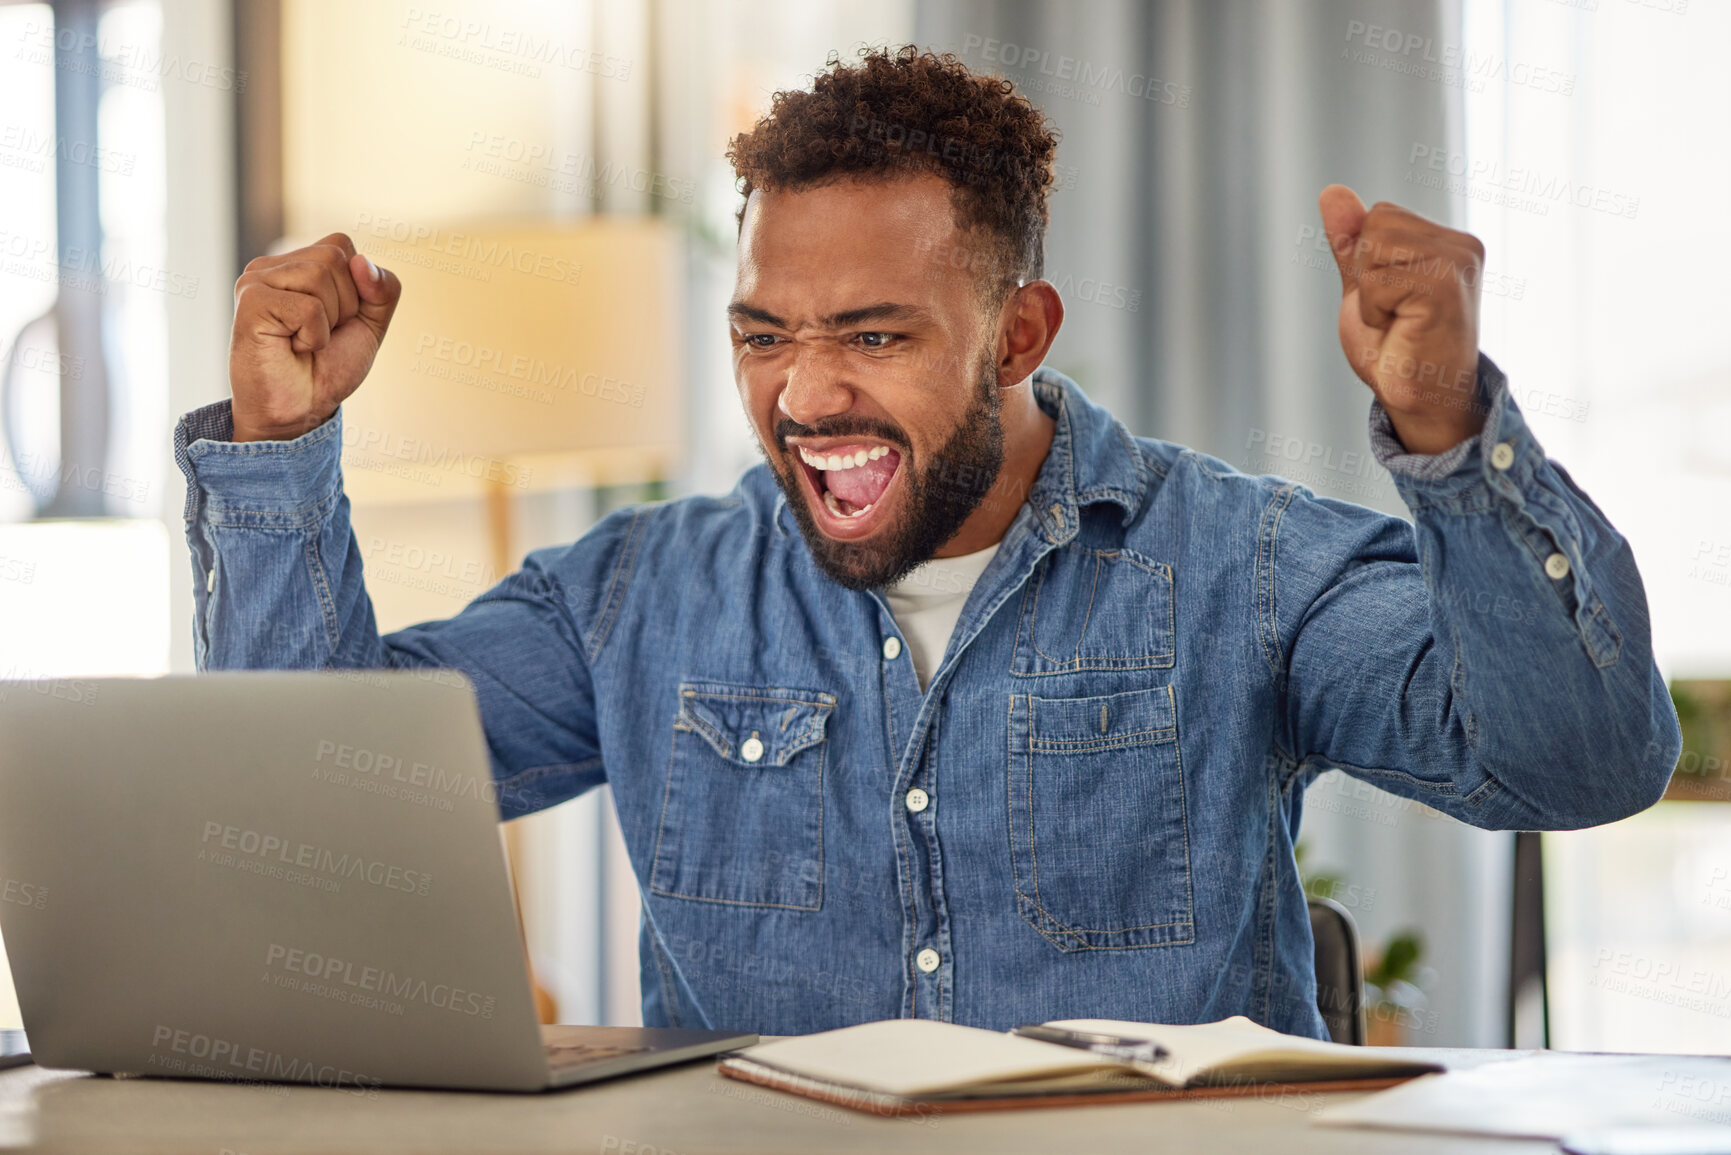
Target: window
(1592, 173)
(83, 557)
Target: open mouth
(848, 482)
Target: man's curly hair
(900, 112)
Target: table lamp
(521, 357)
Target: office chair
(1339, 971)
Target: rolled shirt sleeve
(1507, 677)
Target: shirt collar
(1093, 459)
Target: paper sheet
(1552, 1095)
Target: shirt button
(751, 749)
(927, 960)
(892, 647)
(918, 800)
(1557, 566)
(1503, 455)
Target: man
(968, 705)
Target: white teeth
(839, 461)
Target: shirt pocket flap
(757, 727)
(1075, 725)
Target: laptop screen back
(262, 876)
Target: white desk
(688, 1110)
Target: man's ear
(1028, 323)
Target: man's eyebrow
(883, 311)
(743, 311)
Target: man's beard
(938, 497)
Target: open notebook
(917, 1066)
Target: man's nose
(816, 387)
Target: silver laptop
(276, 877)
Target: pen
(1109, 1046)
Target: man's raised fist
(307, 325)
(1409, 315)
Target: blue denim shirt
(1115, 746)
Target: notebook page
(1239, 1046)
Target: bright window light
(83, 598)
(80, 599)
(1595, 176)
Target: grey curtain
(1196, 135)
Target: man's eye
(760, 340)
(876, 340)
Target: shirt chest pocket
(1095, 609)
(742, 816)
(1098, 838)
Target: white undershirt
(928, 603)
